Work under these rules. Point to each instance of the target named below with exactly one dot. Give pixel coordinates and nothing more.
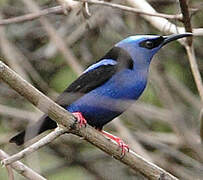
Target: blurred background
(50, 52)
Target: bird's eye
(149, 44)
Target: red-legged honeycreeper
(96, 96)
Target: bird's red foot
(118, 140)
(81, 120)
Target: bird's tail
(31, 131)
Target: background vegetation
(164, 123)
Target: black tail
(31, 131)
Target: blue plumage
(106, 102)
(108, 87)
(109, 100)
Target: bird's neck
(141, 59)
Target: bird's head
(142, 47)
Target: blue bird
(106, 89)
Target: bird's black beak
(173, 37)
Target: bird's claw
(80, 119)
(124, 147)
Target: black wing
(96, 77)
(85, 83)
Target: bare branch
(194, 68)
(10, 172)
(42, 142)
(35, 15)
(133, 10)
(140, 9)
(22, 169)
(186, 19)
(160, 23)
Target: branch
(35, 15)
(22, 169)
(195, 70)
(10, 172)
(186, 19)
(133, 10)
(42, 142)
(190, 49)
(191, 54)
(160, 23)
(63, 117)
(60, 9)
(140, 9)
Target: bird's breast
(110, 99)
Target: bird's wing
(96, 75)
(93, 77)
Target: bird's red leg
(81, 120)
(118, 140)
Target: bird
(107, 87)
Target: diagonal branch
(61, 116)
(22, 169)
(195, 69)
(31, 16)
(60, 9)
(133, 10)
(160, 23)
(139, 9)
(42, 142)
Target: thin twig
(186, 19)
(10, 172)
(159, 22)
(195, 69)
(35, 15)
(60, 9)
(130, 9)
(22, 169)
(190, 48)
(42, 142)
(140, 10)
